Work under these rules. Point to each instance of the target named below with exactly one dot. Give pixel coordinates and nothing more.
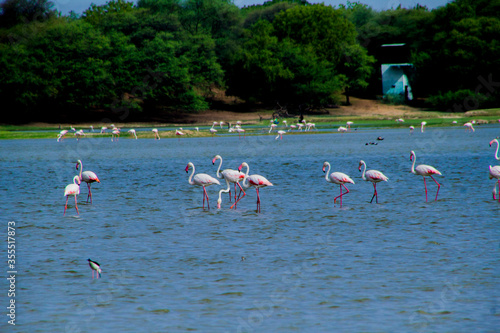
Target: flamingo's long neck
(76, 179)
(81, 168)
(190, 179)
(413, 165)
(327, 173)
(218, 170)
(496, 153)
(245, 180)
(364, 170)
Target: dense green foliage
(173, 54)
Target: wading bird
(179, 133)
(231, 176)
(74, 190)
(94, 265)
(495, 173)
(424, 170)
(338, 178)
(373, 176)
(342, 129)
(422, 124)
(469, 126)
(132, 132)
(157, 135)
(496, 153)
(87, 176)
(201, 179)
(280, 135)
(256, 181)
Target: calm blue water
(402, 265)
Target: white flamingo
(469, 126)
(256, 181)
(132, 132)
(87, 176)
(72, 189)
(338, 178)
(373, 176)
(422, 124)
(495, 173)
(157, 135)
(230, 176)
(342, 129)
(280, 135)
(201, 179)
(424, 170)
(61, 135)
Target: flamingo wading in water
(256, 181)
(373, 176)
(87, 176)
(74, 190)
(495, 173)
(424, 170)
(338, 178)
(231, 176)
(201, 179)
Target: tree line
(175, 54)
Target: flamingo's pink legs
(426, 188)
(341, 194)
(494, 198)
(205, 195)
(89, 195)
(241, 191)
(66, 206)
(375, 193)
(258, 200)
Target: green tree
(13, 12)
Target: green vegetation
(175, 55)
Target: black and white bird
(95, 267)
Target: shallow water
(168, 265)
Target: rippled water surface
(402, 265)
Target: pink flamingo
(132, 132)
(61, 135)
(411, 129)
(349, 123)
(424, 170)
(496, 153)
(469, 126)
(213, 130)
(280, 135)
(201, 179)
(179, 133)
(231, 176)
(373, 176)
(157, 135)
(495, 173)
(342, 129)
(94, 265)
(115, 135)
(240, 130)
(422, 124)
(74, 190)
(256, 181)
(338, 178)
(87, 176)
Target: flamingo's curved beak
(239, 168)
(213, 161)
(187, 169)
(323, 169)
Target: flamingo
(284, 122)
(342, 129)
(411, 129)
(349, 123)
(115, 134)
(61, 135)
(454, 122)
(87, 176)
(240, 130)
(495, 173)
(179, 133)
(310, 126)
(469, 126)
(256, 181)
(292, 127)
(400, 120)
(72, 128)
(424, 170)
(92, 128)
(103, 129)
(79, 134)
(422, 124)
(221, 123)
(197, 129)
(273, 126)
(373, 176)
(94, 265)
(231, 176)
(74, 190)
(201, 179)
(155, 131)
(299, 125)
(496, 153)
(280, 135)
(338, 178)
(132, 132)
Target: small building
(395, 71)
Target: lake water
(402, 265)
